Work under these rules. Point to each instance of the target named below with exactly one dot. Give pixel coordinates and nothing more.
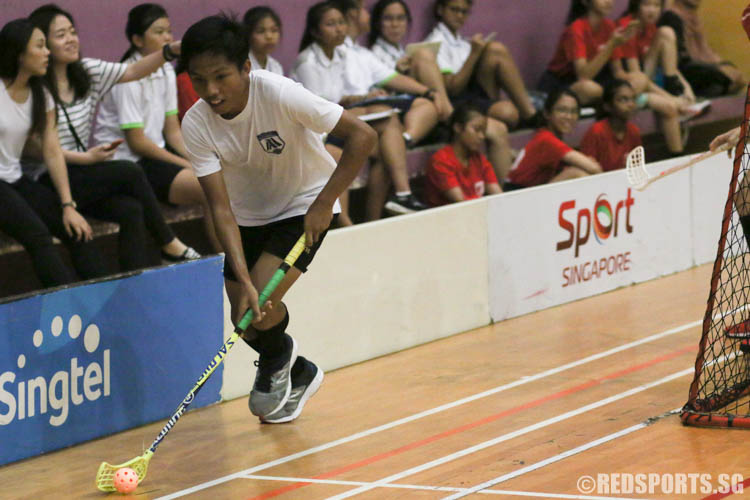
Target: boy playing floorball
(254, 142)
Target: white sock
(406, 136)
(401, 194)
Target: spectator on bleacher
(707, 72)
(419, 108)
(586, 47)
(459, 171)
(264, 29)
(30, 212)
(478, 70)
(391, 20)
(143, 114)
(326, 67)
(109, 190)
(609, 140)
(546, 158)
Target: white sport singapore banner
(551, 245)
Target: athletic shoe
(188, 254)
(403, 204)
(304, 386)
(273, 381)
(696, 110)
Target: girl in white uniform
(330, 69)
(143, 114)
(30, 212)
(254, 142)
(264, 26)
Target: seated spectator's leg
(21, 222)
(588, 91)
(343, 219)
(378, 186)
(186, 190)
(668, 114)
(739, 82)
(393, 151)
(497, 71)
(420, 119)
(425, 70)
(505, 112)
(133, 248)
(568, 173)
(638, 80)
(498, 148)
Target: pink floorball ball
(126, 480)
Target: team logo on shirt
(271, 142)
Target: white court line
(374, 430)
(512, 435)
(556, 458)
(530, 494)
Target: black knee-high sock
(272, 342)
(745, 221)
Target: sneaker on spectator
(273, 381)
(188, 254)
(304, 386)
(695, 110)
(404, 204)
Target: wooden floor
(520, 409)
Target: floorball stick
(106, 472)
(638, 176)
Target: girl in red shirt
(459, 171)
(609, 141)
(546, 158)
(585, 48)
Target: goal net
(720, 391)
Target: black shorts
(276, 238)
(160, 175)
(473, 94)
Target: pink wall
(530, 28)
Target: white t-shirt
(388, 53)
(104, 75)
(143, 103)
(352, 71)
(272, 64)
(15, 126)
(273, 160)
(454, 50)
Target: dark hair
(462, 115)
(556, 95)
(634, 5)
(78, 77)
(312, 22)
(377, 18)
(578, 8)
(608, 96)
(255, 15)
(346, 5)
(14, 39)
(220, 35)
(140, 19)
(443, 3)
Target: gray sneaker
(304, 386)
(273, 382)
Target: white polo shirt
(272, 64)
(15, 126)
(454, 50)
(143, 103)
(352, 71)
(388, 53)
(273, 160)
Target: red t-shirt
(637, 47)
(186, 95)
(579, 41)
(540, 160)
(446, 172)
(601, 144)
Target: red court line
(717, 496)
(486, 420)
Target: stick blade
(635, 169)
(106, 473)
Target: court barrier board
(85, 361)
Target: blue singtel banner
(88, 361)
